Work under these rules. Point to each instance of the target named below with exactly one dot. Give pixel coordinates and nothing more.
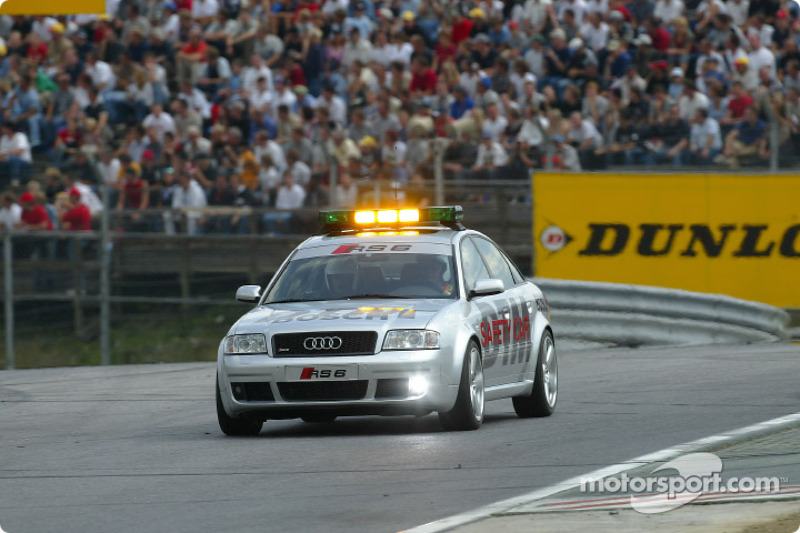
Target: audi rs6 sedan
(388, 312)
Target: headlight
(411, 339)
(242, 344)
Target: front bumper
(377, 384)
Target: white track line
(503, 506)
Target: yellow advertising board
(735, 234)
(52, 7)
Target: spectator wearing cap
(707, 53)
(470, 78)
(691, 100)
(483, 53)
(565, 156)
(658, 34)
(670, 139)
(490, 159)
(745, 74)
(58, 45)
(485, 94)
(579, 65)
(619, 28)
(34, 216)
(705, 140)
(711, 76)
(783, 30)
(15, 154)
(747, 139)
(75, 216)
(675, 87)
(534, 56)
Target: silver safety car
(389, 312)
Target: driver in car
(433, 270)
(342, 277)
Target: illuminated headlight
(411, 339)
(243, 344)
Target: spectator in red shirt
(461, 28)
(77, 216)
(37, 50)
(34, 216)
(660, 36)
(192, 53)
(443, 51)
(423, 78)
(739, 101)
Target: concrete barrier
(635, 315)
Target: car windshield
(373, 275)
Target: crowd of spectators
(195, 103)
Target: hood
(372, 315)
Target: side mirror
(248, 293)
(487, 287)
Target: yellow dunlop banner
(732, 234)
(52, 7)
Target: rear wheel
(467, 413)
(318, 418)
(244, 426)
(542, 399)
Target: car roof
(427, 234)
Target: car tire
(236, 426)
(467, 413)
(544, 396)
(318, 418)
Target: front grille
(391, 389)
(252, 392)
(323, 391)
(352, 343)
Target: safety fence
(634, 315)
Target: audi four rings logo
(322, 343)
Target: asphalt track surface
(137, 448)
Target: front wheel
(235, 426)
(542, 399)
(467, 413)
